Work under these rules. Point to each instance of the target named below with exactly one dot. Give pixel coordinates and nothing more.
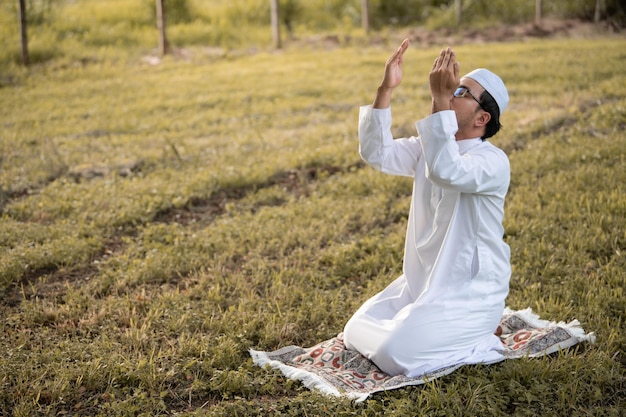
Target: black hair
(488, 103)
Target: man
(445, 307)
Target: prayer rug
(333, 369)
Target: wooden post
(538, 12)
(600, 8)
(457, 11)
(275, 23)
(23, 34)
(160, 16)
(365, 16)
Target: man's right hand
(392, 77)
(444, 79)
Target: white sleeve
(485, 171)
(378, 148)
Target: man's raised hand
(392, 77)
(393, 67)
(444, 79)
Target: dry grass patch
(245, 219)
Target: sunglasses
(464, 92)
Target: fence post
(538, 12)
(365, 16)
(457, 11)
(160, 16)
(275, 24)
(23, 34)
(600, 9)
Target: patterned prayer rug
(335, 370)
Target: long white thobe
(445, 307)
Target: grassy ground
(159, 221)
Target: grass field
(160, 220)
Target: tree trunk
(365, 16)
(160, 15)
(23, 35)
(275, 24)
(538, 10)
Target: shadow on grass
(295, 182)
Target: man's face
(466, 108)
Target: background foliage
(57, 27)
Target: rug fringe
(308, 379)
(573, 327)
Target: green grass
(159, 221)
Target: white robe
(444, 308)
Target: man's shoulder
(495, 155)
(493, 148)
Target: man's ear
(482, 118)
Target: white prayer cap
(493, 84)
